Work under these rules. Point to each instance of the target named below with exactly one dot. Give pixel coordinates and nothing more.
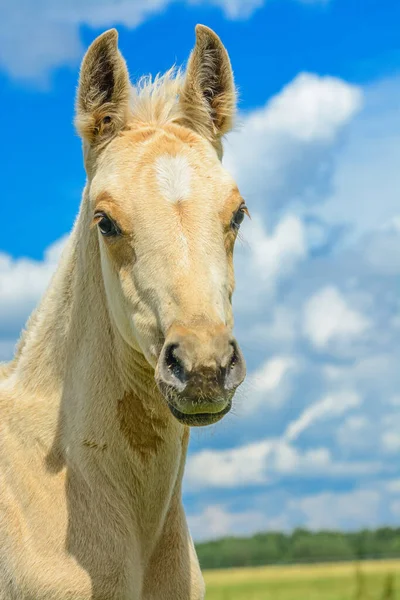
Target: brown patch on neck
(142, 427)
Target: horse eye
(106, 225)
(238, 217)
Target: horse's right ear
(102, 103)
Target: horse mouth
(199, 419)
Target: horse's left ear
(208, 96)
(102, 101)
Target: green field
(372, 580)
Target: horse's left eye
(238, 217)
(106, 225)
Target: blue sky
(315, 435)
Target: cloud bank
(37, 37)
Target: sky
(314, 436)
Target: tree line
(300, 546)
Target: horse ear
(208, 96)
(103, 93)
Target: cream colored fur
(91, 458)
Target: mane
(155, 100)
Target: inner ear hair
(216, 79)
(104, 89)
(208, 98)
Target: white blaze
(173, 176)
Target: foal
(131, 344)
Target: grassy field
(374, 580)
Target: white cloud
(217, 521)
(321, 106)
(356, 433)
(22, 283)
(270, 385)
(36, 37)
(393, 486)
(267, 462)
(369, 373)
(270, 459)
(365, 183)
(391, 442)
(280, 252)
(327, 318)
(267, 259)
(389, 428)
(362, 507)
(329, 510)
(282, 151)
(334, 405)
(365, 506)
(39, 36)
(229, 468)
(394, 401)
(269, 377)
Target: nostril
(234, 357)
(174, 363)
(236, 369)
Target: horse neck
(71, 355)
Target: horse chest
(91, 539)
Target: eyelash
(238, 217)
(110, 228)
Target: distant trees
(299, 546)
